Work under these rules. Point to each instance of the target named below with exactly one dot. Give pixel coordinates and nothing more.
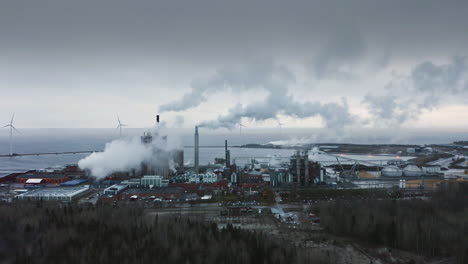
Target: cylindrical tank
(412, 170)
(391, 171)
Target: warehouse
(54, 194)
(74, 182)
(50, 178)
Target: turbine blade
(6, 126)
(12, 118)
(17, 131)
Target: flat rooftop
(54, 192)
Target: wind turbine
(12, 127)
(240, 128)
(280, 127)
(240, 132)
(119, 126)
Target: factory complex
(165, 177)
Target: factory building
(234, 177)
(48, 177)
(208, 177)
(54, 194)
(154, 181)
(115, 189)
(305, 172)
(74, 182)
(280, 176)
(34, 183)
(431, 169)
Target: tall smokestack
(196, 147)
(306, 168)
(228, 156)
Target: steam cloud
(278, 101)
(341, 52)
(270, 77)
(125, 155)
(427, 87)
(252, 75)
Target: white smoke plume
(265, 75)
(251, 75)
(426, 88)
(127, 154)
(294, 141)
(279, 101)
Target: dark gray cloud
(140, 50)
(196, 29)
(335, 60)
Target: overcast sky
(332, 64)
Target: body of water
(61, 140)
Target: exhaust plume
(264, 75)
(125, 155)
(279, 101)
(251, 75)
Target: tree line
(437, 227)
(54, 233)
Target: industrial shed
(74, 182)
(54, 194)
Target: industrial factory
(161, 173)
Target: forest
(53, 233)
(435, 227)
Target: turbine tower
(12, 127)
(280, 127)
(119, 126)
(240, 132)
(240, 128)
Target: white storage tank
(412, 170)
(391, 171)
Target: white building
(154, 181)
(54, 194)
(208, 177)
(115, 189)
(434, 169)
(234, 177)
